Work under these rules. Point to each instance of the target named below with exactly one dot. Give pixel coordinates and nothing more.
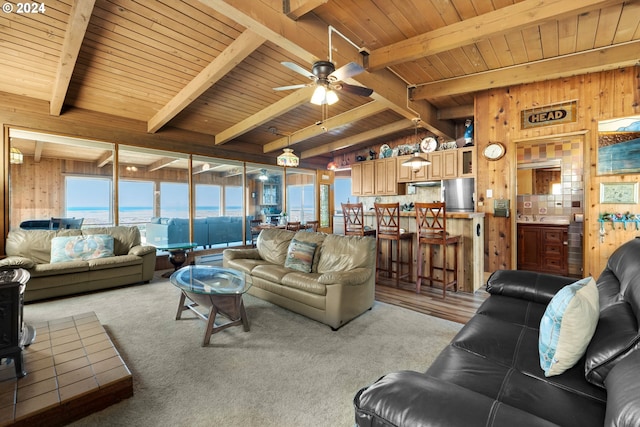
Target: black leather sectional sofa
(490, 373)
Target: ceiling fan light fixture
(263, 175)
(332, 165)
(331, 97)
(288, 158)
(319, 95)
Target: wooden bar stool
(353, 214)
(388, 229)
(432, 231)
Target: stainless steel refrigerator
(459, 194)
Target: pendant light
(417, 161)
(15, 156)
(288, 158)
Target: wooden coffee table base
(231, 306)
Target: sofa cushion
(74, 248)
(312, 237)
(114, 262)
(615, 337)
(343, 253)
(307, 282)
(271, 272)
(300, 255)
(567, 326)
(273, 243)
(34, 244)
(124, 238)
(41, 270)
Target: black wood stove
(14, 334)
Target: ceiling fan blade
(349, 70)
(289, 87)
(298, 69)
(356, 90)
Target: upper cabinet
(446, 164)
(375, 177)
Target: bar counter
(469, 226)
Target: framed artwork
(619, 146)
(619, 192)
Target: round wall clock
(428, 144)
(494, 151)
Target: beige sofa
(31, 249)
(339, 287)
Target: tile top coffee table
(216, 289)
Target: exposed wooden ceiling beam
(37, 155)
(294, 9)
(284, 105)
(357, 139)
(79, 16)
(350, 116)
(235, 53)
(104, 159)
(459, 112)
(307, 39)
(518, 16)
(607, 58)
(162, 163)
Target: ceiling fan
(327, 79)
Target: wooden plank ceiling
(211, 66)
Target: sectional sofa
(207, 232)
(67, 262)
(326, 277)
(491, 374)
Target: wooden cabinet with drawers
(543, 248)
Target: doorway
(550, 201)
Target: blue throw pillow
(567, 326)
(81, 248)
(300, 255)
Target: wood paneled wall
(599, 96)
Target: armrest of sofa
(623, 393)
(141, 250)
(17, 261)
(251, 253)
(527, 285)
(352, 277)
(408, 398)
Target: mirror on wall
(540, 178)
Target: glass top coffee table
(216, 289)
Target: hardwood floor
(457, 306)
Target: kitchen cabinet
(543, 248)
(386, 176)
(444, 165)
(466, 162)
(362, 178)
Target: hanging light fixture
(322, 95)
(417, 161)
(288, 158)
(263, 175)
(15, 156)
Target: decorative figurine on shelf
(372, 155)
(468, 133)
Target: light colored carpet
(287, 371)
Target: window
(207, 200)
(341, 192)
(89, 198)
(174, 200)
(135, 203)
(232, 200)
(301, 195)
